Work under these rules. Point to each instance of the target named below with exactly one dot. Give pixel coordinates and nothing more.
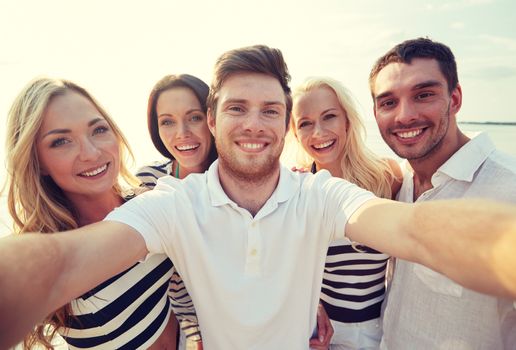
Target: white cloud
(505, 42)
(457, 25)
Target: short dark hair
(252, 59)
(200, 90)
(406, 51)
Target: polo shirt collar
(287, 185)
(465, 162)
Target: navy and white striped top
(127, 311)
(353, 286)
(181, 301)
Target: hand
(324, 330)
(300, 170)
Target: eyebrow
(422, 85)
(267, 103)
(187, 112)
(66, 131)
(328, 110)
(427, 84)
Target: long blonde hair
(359, 164)
(35, 202)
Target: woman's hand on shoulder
(300, 169)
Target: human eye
(58, 142)
(329, 116)
(237, 109)
(271, 113)
(387, 104)
(304, 124)
(100, 129)
(424, 95)
(166, 122)
(197, 118)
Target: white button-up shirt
(426, 310)
(255, 281)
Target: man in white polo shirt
(249, 237)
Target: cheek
(304, 138)
(58, 168)
(165, 134)
(203, 132)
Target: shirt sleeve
(342, 199)
(151, 214)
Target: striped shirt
(353, 285)
(181, 301)
(127, 311)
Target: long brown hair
(35, 202)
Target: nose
(89, 150)
(407, 112)
(183, 130)
(318, 130)
(253, 122)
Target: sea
(503, 136)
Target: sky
(119, 49)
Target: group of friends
(242, 252)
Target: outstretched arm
(472, 242)
(41, 272)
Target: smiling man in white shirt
(416, 98)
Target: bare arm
(41, 272)
(472, 242)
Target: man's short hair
(419, 48)
(251, 59)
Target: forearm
(41, 272)
(471, 241)
(21, 284)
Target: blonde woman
(66, 166)
(327, 125)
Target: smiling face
(249, 128)
(183, 129)
(320, 125)
(414, 110)
(77, 148)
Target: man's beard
(429, 149)
(257, 170)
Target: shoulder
(149, 174)
(501, 160)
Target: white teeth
(324, 145)
(187, 147)
(252, 145)
(409, 134)
(95, 172)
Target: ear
(456, 100)
(211, 121)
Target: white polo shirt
(255, 281)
